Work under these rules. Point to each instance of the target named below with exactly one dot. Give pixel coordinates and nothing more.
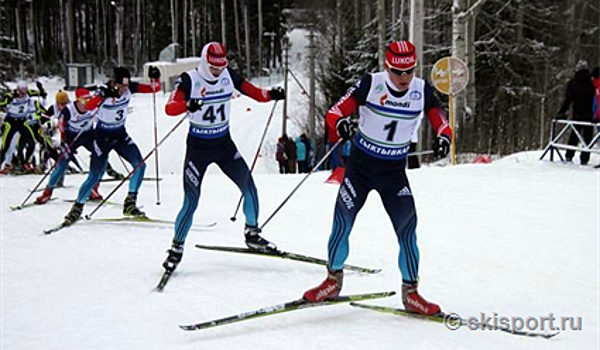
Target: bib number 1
(392, 130)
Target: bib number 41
(211, 116)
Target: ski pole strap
(331, 150)
(89, 216)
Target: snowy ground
(518, 237)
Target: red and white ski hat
(401, 55)
(82, 93)
(215, 54)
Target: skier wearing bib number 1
(205, 93)
(113, 102)
(389, 105)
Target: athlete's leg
(131, 153)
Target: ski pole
(67, 151)
(89, 216)
(262, 139)
(302, 181)
(123, 163)
(155, 145)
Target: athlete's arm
(154, 86)
(176, 104)
(6, 100)
(246, 88)
(355, 96)
(435, 113)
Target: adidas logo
(325, 292)
(404, 192)
(417, 305)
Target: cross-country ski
(174, 173)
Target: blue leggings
(200, 154)
(86, 140)
(363, 174)
(126, 148)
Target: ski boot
(414, 302)
(114, 174)
(6, 169)
(130, 209)
(29, 168)
(74, 214)
(95, 196)
(174, 257)
(45, 197)
(256, 242)
(328, 289)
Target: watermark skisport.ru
(454, 322)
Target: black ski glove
(441, 146)
(153, 72)
(194, 105)
(40, 88)
(107, 92)
(277, 93)
(345, 128)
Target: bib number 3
(120, 115)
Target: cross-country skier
(113, 101)
(205, 93)
(19, 108)
(78, 126)
(389, 104)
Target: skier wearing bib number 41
(205, 93)
(113, 102)
(389, 105)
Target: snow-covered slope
(518, 237)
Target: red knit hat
(401, 55)
(216, 55)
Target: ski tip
(189, 327)
(18, 207)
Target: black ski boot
(113, 173)
(256, 242)
(174, 257)
(74, 214)
(130, 209)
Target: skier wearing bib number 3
(113, 102)
(205, 93)
(389, 105)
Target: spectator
(596, 82)
(301, 156)
(308, 147)
(581, 93)
(280, 156)
(290, 153)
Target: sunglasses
(401, 72)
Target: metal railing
(558, 140)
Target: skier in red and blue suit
(205, 94)
(389, 104)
